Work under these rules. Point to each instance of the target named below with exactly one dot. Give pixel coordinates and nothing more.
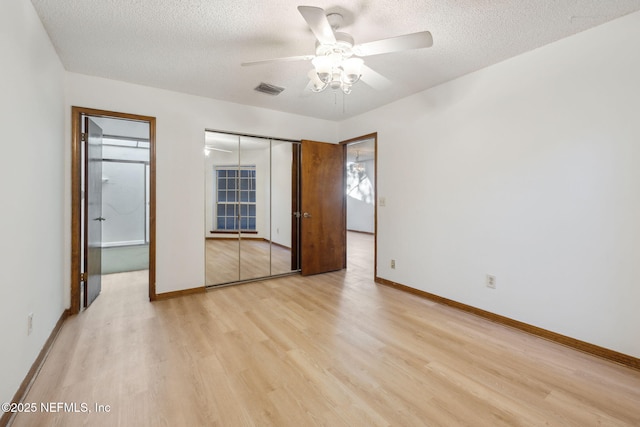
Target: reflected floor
(230, 260)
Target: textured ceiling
(196, 46)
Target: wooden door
(93, 211)
(322, 229)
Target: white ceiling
(196, 46)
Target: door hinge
(83, 277)
(83, 137)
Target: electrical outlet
(393, 263)
(29, 323)
(491, 281)
(382, 201)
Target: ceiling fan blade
(285, 59)
(395, 44)
(374, 79)
(317, 20)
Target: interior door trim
(344, 144)
(76, 197)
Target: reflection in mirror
(254, 186)
(222, 248)
(248, 207)
(281, 207)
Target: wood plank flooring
(327, 350)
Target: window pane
(230, 223)
(235, 187)
(243, 223)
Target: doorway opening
(360, 206)
(113, 200)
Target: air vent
(269, 89)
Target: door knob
(306, 215)
(99, 219)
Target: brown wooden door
(322, 228)
(93, 211)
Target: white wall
(31, 184)
(180, 124)
(527, 170)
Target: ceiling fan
(337, 63)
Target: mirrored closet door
(250, 228)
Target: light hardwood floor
(331, 350)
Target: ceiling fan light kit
(335, 70)
(336, 64)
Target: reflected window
(235, 188)
(359, 185)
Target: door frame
(344, 144)
(76, 197)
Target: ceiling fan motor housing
(343, 46)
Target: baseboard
(595, 350)
(35, 368)
(180, 293)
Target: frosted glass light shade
(317, 84)
(323, 65)
(352, 70)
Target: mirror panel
(254, 204)
(281, 207)
(248, 208)
(222, 248)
